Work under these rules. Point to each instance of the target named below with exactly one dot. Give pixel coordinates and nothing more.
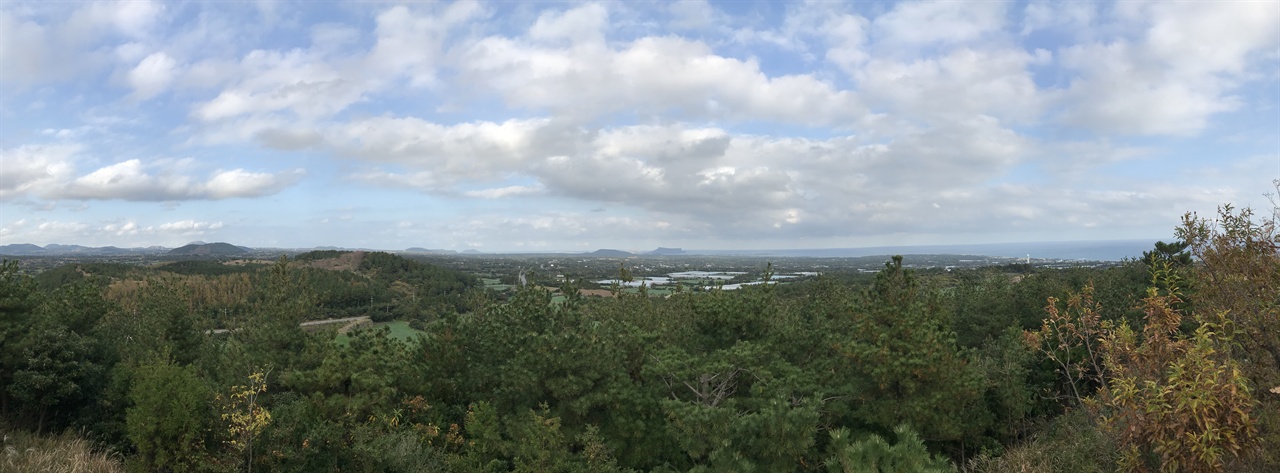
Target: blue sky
(512, 126)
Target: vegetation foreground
(1169, 363)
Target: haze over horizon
(509, 127)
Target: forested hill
(385, 285)
(338, 284)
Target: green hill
(209, 249)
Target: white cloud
(32, 167)
(423, 180)
(314, 84)
(1176, 74)
(411, 43)
(132, 18)
(241, 183)
(835, 120)
(960, 84)
(62, 227)
(152, 75)
(477, 151)
(121, 229)
(127, 180)
(273, 81)
(692, 14)
(847, 38)
(503, 192)
(695, 83)
(119, 232)
(1076, 18)
(1078, 158)
(913, 24)
(1123, 93)
(1199, 38)
(49, 172)
(581, 25)
(188, 227)
(333, 38)
(55, 42)
(28, 53)
(41, 231)
(704, 177)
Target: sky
(572, 126)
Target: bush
(169, 418)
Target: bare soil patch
(347, 262)
(596, 292)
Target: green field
(399, 329)
(653, 291)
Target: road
(312, 323)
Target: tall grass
(1068, 444)
(65, 453)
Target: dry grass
(66, 453)
(1069, 444)
(346, 262)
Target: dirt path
(349, 323)
(360, 321)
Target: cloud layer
(49, 172)
(565, 125)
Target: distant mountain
(471, 251)
(197, 243)
(209, 249)
(610, 253)
(666, 251)
(1092, 250)
(417, 249)
(55, 248)
(21, 249)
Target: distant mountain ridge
(53, 249)
(210, 249)
(605, 252)
(1094, 250)
(21, 249)
(418, 249)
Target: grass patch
(1068, 444)
(495, 284)
(653, 291)
(25, 451)
(399, 329)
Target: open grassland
(66, 453)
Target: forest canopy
(1169, 362)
